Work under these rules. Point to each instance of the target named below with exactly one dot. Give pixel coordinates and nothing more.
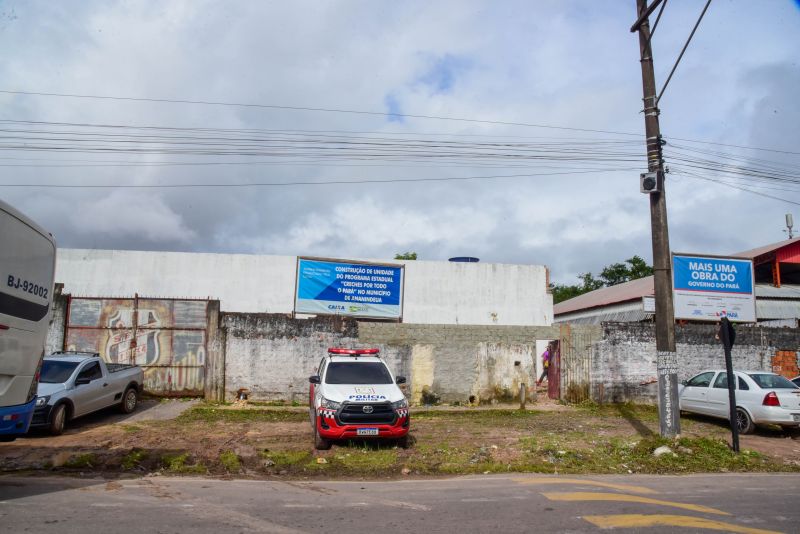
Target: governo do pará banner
(707, 288)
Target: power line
(698, 177)
(325, 110)
(286, 184)
(683, 51)
(320, 132)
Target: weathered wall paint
(436, 292)
(166, 337)
(423, 370)
(624, 361)
(272, 356)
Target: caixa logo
(336, 307)
(731, 314)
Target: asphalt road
(503, 504)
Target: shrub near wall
(624, 361)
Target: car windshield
(766, 381)
(56, 372)
(357, 373)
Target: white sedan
(761, 398)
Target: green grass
(230, 461)
(131, 429)
(479, 415)
(565, 453)
(287, 459)
(213, 414)
(177, 463)
(690, 455)
(366, 460)
(82, 461)
(133, 459)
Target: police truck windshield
(357, 373)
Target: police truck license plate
(367, 432)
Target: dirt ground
(174, 437)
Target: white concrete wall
(435, 292)
(443, 292)
(241, 282)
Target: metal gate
(554, 371)
(167, 337)
(575, 360)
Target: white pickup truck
(73, 384)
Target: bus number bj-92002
(29, 287)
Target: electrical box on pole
(649, 183)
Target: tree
(618, 273)
(611, 275)
(406, 256)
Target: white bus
(27, 268)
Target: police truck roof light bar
(353, 352)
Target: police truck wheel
(58, 420)
(320, 443)
(129, 401)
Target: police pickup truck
(354, 395)
(73, 384)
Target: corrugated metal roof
(635, 289)
(777, 309)
(771, 292)
(630, 316)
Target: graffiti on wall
(166, 337)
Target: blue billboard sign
(709, 288)
(349, 288)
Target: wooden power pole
(668, 409)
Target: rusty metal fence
(575, 359)
(167, 337)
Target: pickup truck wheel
(129, 400)
(58, 420)
(320, 443)
(404, 442)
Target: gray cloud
(565, 63)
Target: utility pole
(667, 364)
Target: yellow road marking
(592, 496)
(579, 482)
(666, 520)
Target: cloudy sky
(570, 198)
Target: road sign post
(728, 335)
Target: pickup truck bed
(116, 367)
